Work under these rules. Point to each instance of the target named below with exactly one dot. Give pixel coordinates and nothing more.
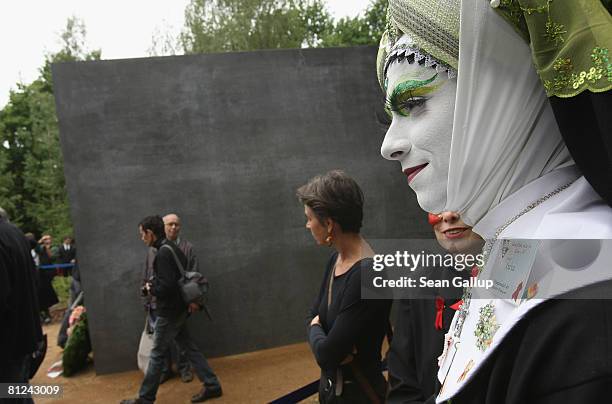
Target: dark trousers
(178, 356)
(16, 371)
(175, 353)
(168, 329)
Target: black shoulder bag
(193, 285)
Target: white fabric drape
(504, 133)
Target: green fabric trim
(511, 11)
(570, 42)
(569, 82)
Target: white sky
(29, 29)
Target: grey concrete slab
(224, 140)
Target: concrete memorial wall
(223, 140)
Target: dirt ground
(256, 377)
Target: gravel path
(256, 377)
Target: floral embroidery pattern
(467, 369)
(486, 327)
(602, 64)
(601, 68)
(562, 35)
(554, 32)
(531, 10)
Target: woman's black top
(349, 325)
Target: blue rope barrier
(56, 266)
(298, 395)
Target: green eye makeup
(409, 94)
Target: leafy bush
(61, 285)
(77, 348)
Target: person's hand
(193, 307)
(349, 358)
(315, 321)
(145, 290)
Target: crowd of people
(45, 255)
(27, 269)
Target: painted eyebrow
(407, 86)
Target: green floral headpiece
(428, 30)
(570, 42)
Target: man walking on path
(172, 313)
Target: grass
(61, 285)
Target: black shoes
(45, 318)
(207, 393)
(186, 376)
(135, 401)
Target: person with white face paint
(475, 134)
(421, 101)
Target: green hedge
(77, 348)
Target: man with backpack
(172, 224)
(172, 313)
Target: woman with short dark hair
(345, 332)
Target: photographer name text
(424, 282)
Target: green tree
(242, 25)
(7, 199)
(15, 127)
(238, 25)
(44, 180)
(359, 30)
(31, 166)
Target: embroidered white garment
(576, 212)
(506, 154)
(504, 132)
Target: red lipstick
(413, 171)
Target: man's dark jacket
(66, 256)
(165, 283)
(20, 329)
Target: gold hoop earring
(329, 239)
